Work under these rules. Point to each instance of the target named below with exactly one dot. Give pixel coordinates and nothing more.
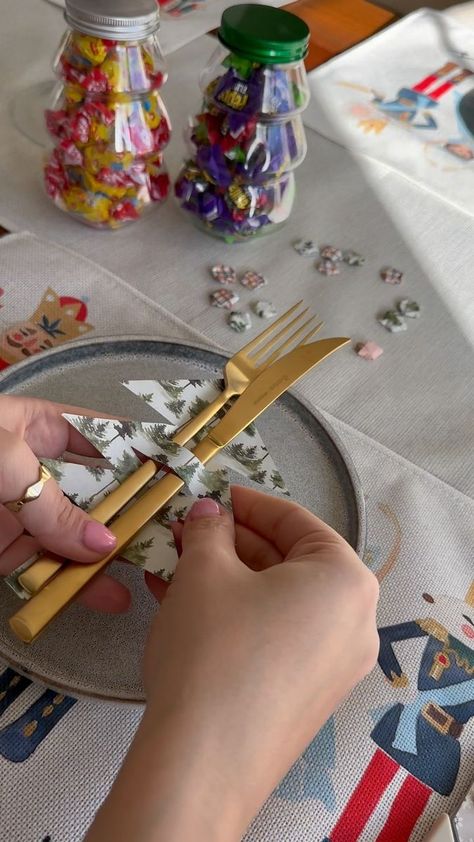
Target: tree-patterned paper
(180, 400)
(122, 443)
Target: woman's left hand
(31, 429)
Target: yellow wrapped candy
(153, 165)
(75, 199)
(152, 112)
(93, 49)
(74, 93)
(99, 131)
(92, 208)
(115, 73)
(96, 159)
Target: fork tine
(271, 342)
(278, 351)
(269, 330)
(311, 333)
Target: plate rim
(352, 475)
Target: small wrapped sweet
(248, 138)
(108, 122)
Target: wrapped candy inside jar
(235, 211)
(244, 147)
(108, 122)
(248, 138)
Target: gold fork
(239, 371)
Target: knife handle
(37, 613)
(45, 567)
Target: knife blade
(35, 615)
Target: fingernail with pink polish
(97, 537)
(204, 508)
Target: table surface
(334, 27)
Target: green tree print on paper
(176, 406)
(156, 434)
(278, 482)
(124, 430)
(163, 516)
(138, 553)
(258, 476)
(146, 396)
(187, 472)
(197, 406)
(215, 483)
(54, 469)
(246, 456)
(93, 430)
(126, 464)
(166, 575)
(173, 388)
(95, 471)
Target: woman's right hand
(267, 627)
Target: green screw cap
(264, 34)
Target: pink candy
(70, 154)
(369, 350)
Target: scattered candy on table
(109, 127)
(239, 321)
(306, 248)
(391, 276)
(369, 350)
(328, 267)
(253, 280)
(264, 309)
(224, 274)
(410, 309)
(353, 258)
(224, 298)
(393, 322)
(331, 253)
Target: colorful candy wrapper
(306, 248)
(224, 274)
(328, 267)
(353, 258)
(392, 322)
(253, 280)
(264, 309)
(369, 350)
(224, 298)
(331, 253)
(410, 309)
(239, 321)
(391, 276)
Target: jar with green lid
(107, 122)
(244, 145)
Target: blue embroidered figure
(420, 732)
(462, 146)
(20, 738)
(309, 777)
(413, 105)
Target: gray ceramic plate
(99, 655)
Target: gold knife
(35, 615)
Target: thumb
(208, 533)
(58, 525)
